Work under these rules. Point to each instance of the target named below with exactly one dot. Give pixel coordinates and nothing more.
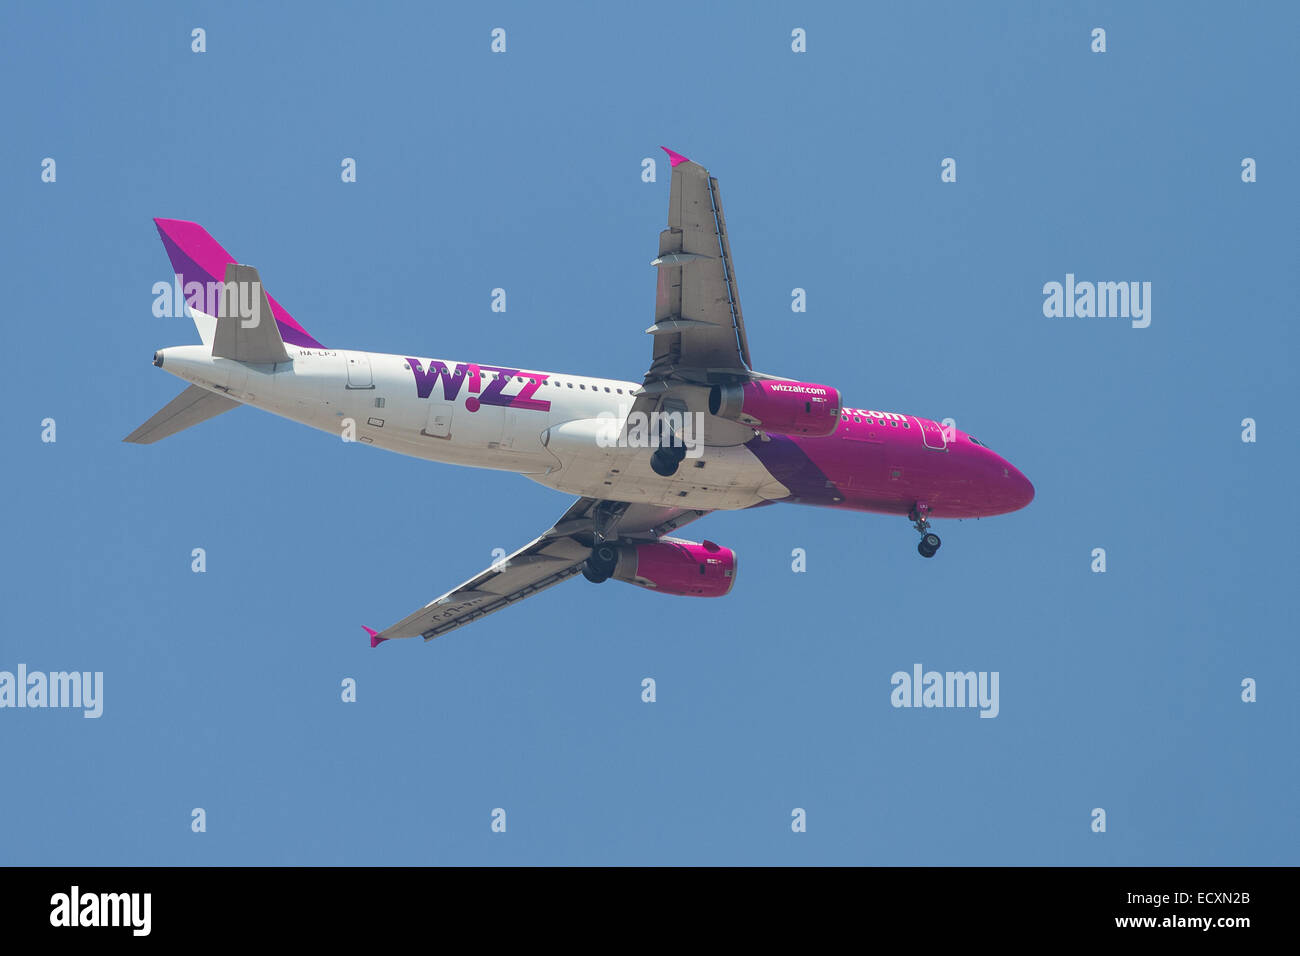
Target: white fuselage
(552, 427)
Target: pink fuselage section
(891, 463)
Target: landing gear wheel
(920, 518)
(601, 564)
(665, 461)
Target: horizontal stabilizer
(190, 407)
(246, 330)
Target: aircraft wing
(542, 563)
(699, 329)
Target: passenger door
(358, 370)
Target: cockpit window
(976, 441)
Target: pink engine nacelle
(784, 408)
(673, 566)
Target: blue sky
(521, 170)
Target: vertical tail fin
(245, 331)
(201, 263)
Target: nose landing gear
(930, 542)
(928, 545)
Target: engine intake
(674, 566)
(784, 408)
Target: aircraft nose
(1022, 489)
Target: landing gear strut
(930, 542)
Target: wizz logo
(471, 377)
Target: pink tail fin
(197, 257)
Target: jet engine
(784, 408)
(669, 566)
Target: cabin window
(856, 419)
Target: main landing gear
(666, 459)
(603, 560)
(670, 453)
(600, 564)
(671, 450)
(930, 542)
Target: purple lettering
(451, 381)
(525, 397)
(454, 377)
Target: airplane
(702, 431)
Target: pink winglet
(676, 158)
(375, 639)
